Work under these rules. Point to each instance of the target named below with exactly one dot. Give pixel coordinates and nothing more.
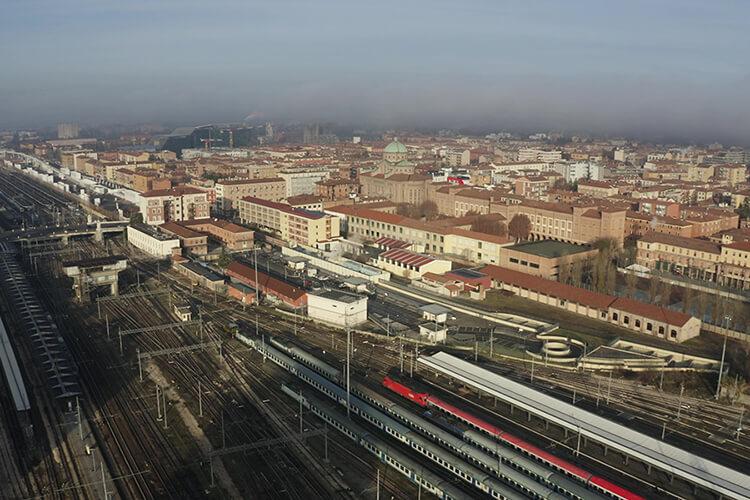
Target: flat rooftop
(339, 296)
(549, 248)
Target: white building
(152, 242)
(302, 181)
(574, 172)
(411, 265)
(337, 308)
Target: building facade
(175, 204)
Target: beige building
(544, 258)
(727, 265)
(294, 225)
(410, 265)
(636, 316)
(175, 204)
(572, 223)
(230, 191)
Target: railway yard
(256, 402)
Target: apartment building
(175, 204)
(151, 241)
(597, 189)
(572, 223)
(192, 242)
(578, 171)
(232, 236)
(540, 155)
(727, 265)
(302, 181)
(294, 225)
(448, 236)
(337, 189)
(230, 191)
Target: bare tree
(665, 293)
(428, 209)
(688, 297)
(519, 227)
(487, 225)
(576, 272)
(564, 269)
(653, 289)
(631, 285)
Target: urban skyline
(667, 71)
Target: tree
(407, 210)
(687, 300)
(428, 209)
(136, 218)
(576, 272)
(744, 210)
(224, 259)
(487, 225)
(665, 293)
(519, 227)
(631, 285)
(653, 289)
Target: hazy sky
(662, 67)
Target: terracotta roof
(651, 311)
(222, 223)
(391, 243)
(181, 231)
(233, 182)
(303, 199)
(367, 213)
(175, 191)
(247, 274)
(406, 257)
(549, 287)
(283, 207)
(681, 241)
(740, 245)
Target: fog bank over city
(605, 69)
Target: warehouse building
(337, 308)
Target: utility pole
(200, 400)
(325, 443)
(532, 370)
(578, 445)
(609, 386)
(416, 353)
(106, 319)
(104, 482)
(739, 423)
(300, 411)
(388, 326)
(348, 368)
(158, 404)
(492, 341)
(727, 319)
(401, 353)
(476, 350)
(119, 334)
(140, 368)
(377, 486)
(679, 401)
(257, 285)
(80, 423)
(164, 404)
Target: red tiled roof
(247, 273)
(581, 296)
(179, 230)
(682, 242)
(656, 313)
(406, 257)
(391, 243)
(548, 287)
(283, 207)
(367, 213)
(175, 191)
(231, 182)
(740, 245)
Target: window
(626, 320)
(513, 260)
(615, 316)
(661, 330)
(637, 323)
(604, 314)
(649, 327)
(673, 334)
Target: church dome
(395, 147)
